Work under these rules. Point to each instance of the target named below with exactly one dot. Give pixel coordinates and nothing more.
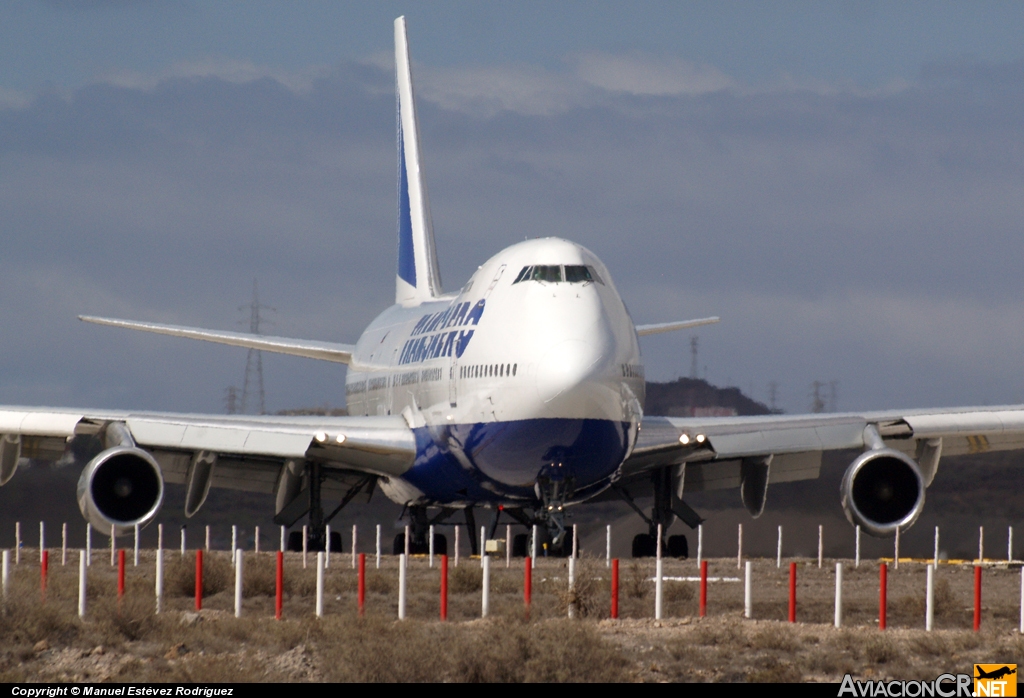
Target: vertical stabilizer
(418, 277)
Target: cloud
(868, 237)
(640, 74)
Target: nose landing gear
(554, 486)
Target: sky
(843, 183)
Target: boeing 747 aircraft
(522, 392)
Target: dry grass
(128, 642)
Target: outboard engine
(122, 486)
(883, 489)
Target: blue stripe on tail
(406, 254)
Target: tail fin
(419, 278)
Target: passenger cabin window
(553, 273)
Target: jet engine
(121, 487)
(883, 490)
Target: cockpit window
(548, 272)
(573, 273)
(577, 273)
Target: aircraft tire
(678, 547)
(644, 545)
(520, 545)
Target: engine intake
(883, 490)
(121, 487)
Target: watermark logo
(995, 680)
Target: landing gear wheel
(520, 545)
(335, 542)
(398, 548)
(644, 545)
(678, 547)
(440, 544)
(295, 541)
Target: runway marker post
(42, 539)
(839, 595)
(207, 539)
(120, 576)
(319, 584)
(981, 544)
(234, 543)
(407, 542)
(135, 558)
(739, 547)
(238, 584)
(327, 549)
(508, 547)
(444, 587)
(778, 550)
(305, 543)
(6, 574)
(485, 596)
(282, 538)
(199, 579)
(929, 600)
(703, 588)
(856, 556)
(361, 585)
(430, 548)
(355, 544)
(748, 595)
(1009, 544)
(700, 544)
(615, 590)
(659, 582)
(1022, 600)
(456, 546)
(401, 586)
(896, 550)
(183, 541)
(88, 545)
(533, 552)
(792, 592)
(83, 562)
(821, 544)
(44, 568)
(17, 542)
(159, 590)
(608, 546)
(977, 598)
(63, 544)
(483, 543)
(378, 546)
(113, 544)
(883, 573)
(935, 560)
(256, 541)
(528, 586)
(279, 584)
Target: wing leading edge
(307, 348)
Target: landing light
(320, 437)
(340, 438)
(684, 439)
(700, 438)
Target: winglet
(419, 278)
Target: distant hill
(692, 397)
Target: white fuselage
(507, 377)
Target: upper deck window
(572, 273)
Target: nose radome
(565, 366)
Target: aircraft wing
(244, 452)
(722, 452)
(308, 348)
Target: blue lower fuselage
(500, 461)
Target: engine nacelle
(883, 490)
(121, 487)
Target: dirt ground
(125, 641)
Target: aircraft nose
(565, 365)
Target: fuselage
(532, 370)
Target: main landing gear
(667, 507)
(419, 533)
